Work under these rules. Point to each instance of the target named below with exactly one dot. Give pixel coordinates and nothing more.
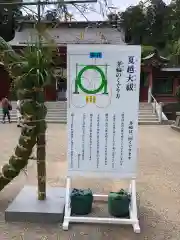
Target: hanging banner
(103, 105)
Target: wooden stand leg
(133, 207)
(67, 205)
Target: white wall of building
(63, 36)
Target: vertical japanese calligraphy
(97, 135)
(106, 137)
(119, 70)
(131, 79)
(122, 139)
(79, 157)
(72, 139)
(130, 138)
(113, 142)
(83, 134)
(90, 137)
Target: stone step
(145, 106)
(148, 123)
(148, 119)
(145, 109)
(147, 115)
(147, 112)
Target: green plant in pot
(81, 201)
(118, 203)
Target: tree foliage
(155, 24)
(7, 19)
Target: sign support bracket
(133, 220)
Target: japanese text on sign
(131, 79)
(119, 69)
(106, 137)
(130, 138)
(113, 142)
(122, 138)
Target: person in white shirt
(19, 116)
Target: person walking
(6, 107)
(19, 116)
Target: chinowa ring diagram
(90, 84)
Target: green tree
(7, 20)
(156, 18)
(175, 19)
(132, 21)
(172, 50)
(149, 24)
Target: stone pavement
(158, 187)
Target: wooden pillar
(150, 83)
(175, 85)
(150, 78)
(4, 83)
(50, 93)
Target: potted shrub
(118, 203)
(81, 201)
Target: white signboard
(103, 104)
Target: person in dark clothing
(6, 107)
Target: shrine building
(158, 79)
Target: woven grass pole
(31, 72)
(27, 139)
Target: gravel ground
(158, 187)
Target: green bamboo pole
(41, 147)
(41, 131)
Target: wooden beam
(47, 3)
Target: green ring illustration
(79, 79)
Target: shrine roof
(153, 55)
(157, 56)
(70, 33)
